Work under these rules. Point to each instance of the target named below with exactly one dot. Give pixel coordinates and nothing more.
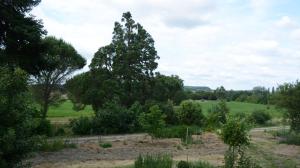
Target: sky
(238, 44)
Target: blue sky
(235, 43)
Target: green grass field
(240, 107)
(65, 111)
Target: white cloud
(286, 22)
(205, 42)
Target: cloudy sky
(235, 43)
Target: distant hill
(198, 88)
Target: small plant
(54, 145)
(106, 145)
(81, 126)
(201, 164)
(235, 134)
(288, 137)
(153, 161)
(183, 164)
(153, 121)
(44, 128)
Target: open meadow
(64, 112)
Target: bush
(114, 118)
(235, 133)
(190, 113)
(60, 132)
(153, 121)
(81, 126)
(288, 137)
(157, 161)
(260, 117)
(183, 164)
(179, 131)
(106, 145)
(201, 164)
(44, 128)
(54, 145)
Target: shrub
(156, 161)
(60, 132)
(44, 128)
(81, 126)
(179, 131)
(114, 118)
(201, 164)
(235, 134)
(54, 145)
(183, 164)
(190, 113)
(106, 145)
(260, 117)
(288, 137)
(217, 115)
(153, 121)
(168, 109)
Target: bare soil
(264, 148)
(128, 147)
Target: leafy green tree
(152, 121)
(20, 47)
(62, 60)
(217, 115)
(17, 118)
(168, 88)
(190, 113)
(129, 60)
(20, 34)
(115, 118)
(235, 135)
(288, 97)
(220, 92)
(95, 87)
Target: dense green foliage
(217, 115)
(123, 71)
(190, 113)
(257, 95)
(288, 97)
(235, 134)
(20, 36)
(82, 126)
(114, 118)
(153, 121)
(155, 161)
(260, 117)
(17, 113)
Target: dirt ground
(125, 148)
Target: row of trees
(259, 95)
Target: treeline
(259, 95)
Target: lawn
(65, 111)
(241, 107)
